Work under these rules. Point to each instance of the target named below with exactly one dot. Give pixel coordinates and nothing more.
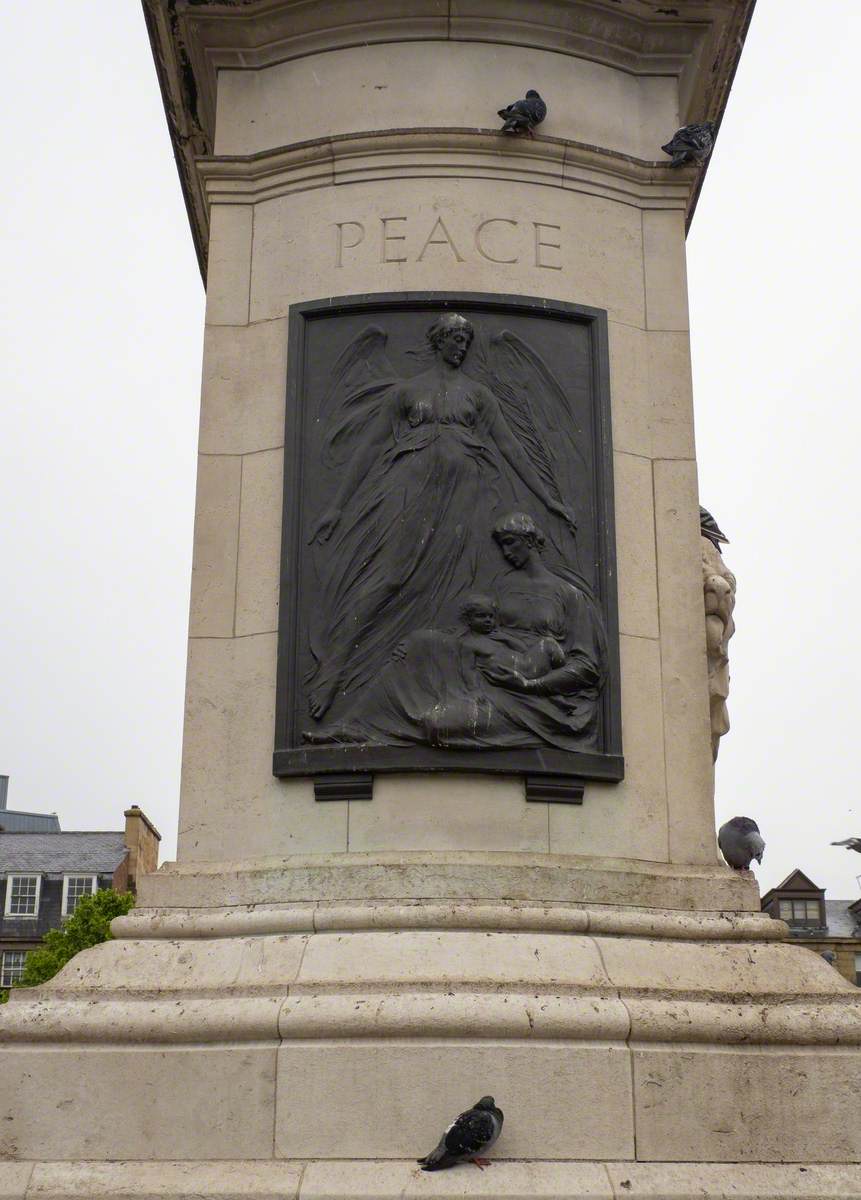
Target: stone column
(319, 986)
(348, 169)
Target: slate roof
(54, 853)
(841, 922)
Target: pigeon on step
(469, 1136)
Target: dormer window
(801, 912)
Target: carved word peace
(495, 239)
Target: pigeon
(473, 1132)
(523, 115)
(691, 143)
(709, 529)
(740, 842)
(850, 844)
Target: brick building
(44, 874)
(831, 927)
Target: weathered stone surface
(257, 574)
(14, 1179)
(239, 1180)
(393, 1179)
(731, 1105)
(242, 393)
(213, 574)
(578, 879)
(471, 812)
(632, 813)
(229, 275)
(181, 1102)
(357, 90)
(323, 1095)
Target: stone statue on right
(719, 596)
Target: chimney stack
(142, 839)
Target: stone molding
(378, 971)
(373, 988)
(183, 1019)
(326, 917)
(452, 875)
(697, 41)
(438, 154)
(615, 33)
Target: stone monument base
(640, 1024)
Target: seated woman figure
(527, 670)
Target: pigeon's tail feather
(437, 1159)
(438, 1164)
(668, 149)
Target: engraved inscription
(401, 239)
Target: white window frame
(94, 887)
(7, 912)
(3, 954)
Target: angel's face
(453, 346)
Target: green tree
(88, 925)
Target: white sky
(101, 315)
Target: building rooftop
(841, 922)
(55, 853)
(13, 821)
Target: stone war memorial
(446, 826)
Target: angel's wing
(538, 413)
(537, 409)
(360, 376)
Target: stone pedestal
(304, 999)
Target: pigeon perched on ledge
(470, 1135)
(850, 844)
(740, 842)
(710, 529)
(523, 115)
(691, 144)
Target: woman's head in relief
(450, 337)
(518, 536)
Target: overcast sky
(101, 317)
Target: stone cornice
(441, 153)
(699, 41)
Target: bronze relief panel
(448, 573)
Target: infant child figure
(491, 648)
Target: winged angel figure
(426, 466)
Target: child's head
(479, 613)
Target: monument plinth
(446, 820)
